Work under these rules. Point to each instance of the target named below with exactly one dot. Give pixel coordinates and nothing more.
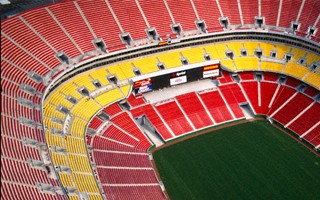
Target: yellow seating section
(70, 89)
(75, 145)
(59, 99)
(251, 46)
(236, 47)
(123, 70)
(228, 64)
(193, 54)
(66, 179)
(282, 50)
(271, 66)
(108, 97)
(267, 48)
(85, 183)
(170, 59)
(78, 127)
(313, 79)
(100, 75)
(59, 158)
(85, 108)
(76, 157)
(246, 63)
(94, 196)
(84, 80)
(49, 123)
(53, 139)
(146, 64)
(296, 70)
(125, 90)
(297, 54)
(216, 51)
(312, 58)
(74, 197)
(78, 163)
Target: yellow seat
(53, 139)
(66, 179)
(228, 64)
(251, 47)
(246, 63)
(170, 59)
(85, 183)
(108, 97)
(193, 54)
(266, 48)
(236, 48)
(79, 163)
(75, 145)
(146, 64)
(85, 108)
(313, 79)
(84, 80)
(100, 75)
(122, 70)
(296, 70)
(78, 127)
(282, 50)
(59, 159)
(271, 66)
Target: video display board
(178, 78)
(211, 70)
(142, 86)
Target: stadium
(160, 99)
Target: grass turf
(249, 161)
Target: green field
(249, 161)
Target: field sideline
(253, 160)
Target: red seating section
(36, 47)
(195, 111)
(94, 10)
(121, 159)
(283, 95)
(289, 12)
(251, 89)
(267, 91)
(292, 109)
(249, 11)
(216, 106)
(311, 91)
(209, 12)
(128, 12)
(314, 136)
(247, 76)
(154, 118)
(95, 122)
(152, 10)
(78, 31)
(230, 10)
(174, 117)
(112, 109)
(269, 76)
(126, 122)
(268, 8)
(306, 120)
(225, 78)
(137, 192)
(40, 20)
(292, 82)
(234, 96)
(178, 10)
(135, 101)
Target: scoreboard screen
(142, 86)
(211, 71)
(175, 76)
(178, 78)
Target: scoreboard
(175, 76)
